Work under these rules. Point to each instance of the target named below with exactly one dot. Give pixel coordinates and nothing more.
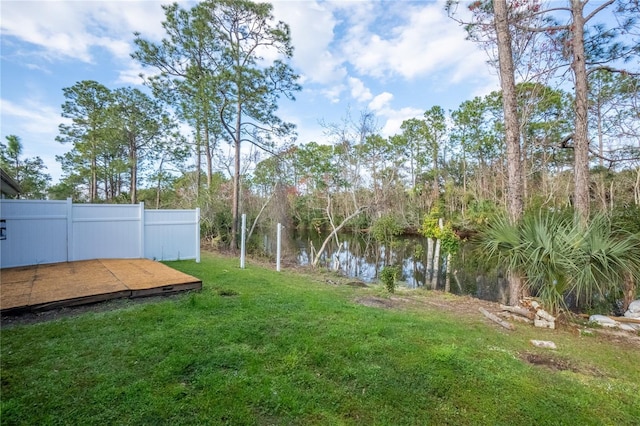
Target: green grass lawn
(260, 347)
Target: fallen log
(626, 319)
(514, 317)
(545, 315)
(543, 344)
(541, 313)
(496, 319)
(543, 323)
(518, 310)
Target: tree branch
(598, 10)
(542, 29)
(611, 69)
(335, 232)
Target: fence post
(197, 234)
(69, 230)
(278, 244)
(142, 230)
(243, 232)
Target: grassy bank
(258, 347)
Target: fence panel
(35, 232)
(106, 231)
(169, 234)
(57, 231)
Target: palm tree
(560, 257)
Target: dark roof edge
(9, 185)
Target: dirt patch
(468, 307)
(465, 306)
(461, 305)
(548, 362)
(376, 302)
(555, 363)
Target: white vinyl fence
(33, 232)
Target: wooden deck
(42, 287)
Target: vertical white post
(243, 233)
(278, 244)
(197, 234)
(69, 230)
(142, 230)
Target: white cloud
(32, 117)
(71, 29)
(358, 90)
(394, 118)
(417, 40)
(37, 126)
(131, 74)
(53, 27)
(332, 93)
(312, 32)
(381, 101)
(489, 86)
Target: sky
(395, 59)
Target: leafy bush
(385, 228)
(388, 276)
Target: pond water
(354, 255)
(359, 256)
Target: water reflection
(355, 255)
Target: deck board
(42, 287)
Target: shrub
(560, 257)
(388, 276)
(385, 228)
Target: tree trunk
(516, 288)
(581, 135)
(512, 132)
(436, 266)
(158, 193)
(435, 189)
(600, 135)
(509, 101)
(208, 153)
(518, 310)
(158, 187)
(236, 180)
(636, 188)
(629, 290)
(198, 160)
(447, 282)
(264, 206)
(133, 158)
(333, 233)
(429, 274)
(94, 175)
(496, 319)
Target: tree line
(540, 143)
